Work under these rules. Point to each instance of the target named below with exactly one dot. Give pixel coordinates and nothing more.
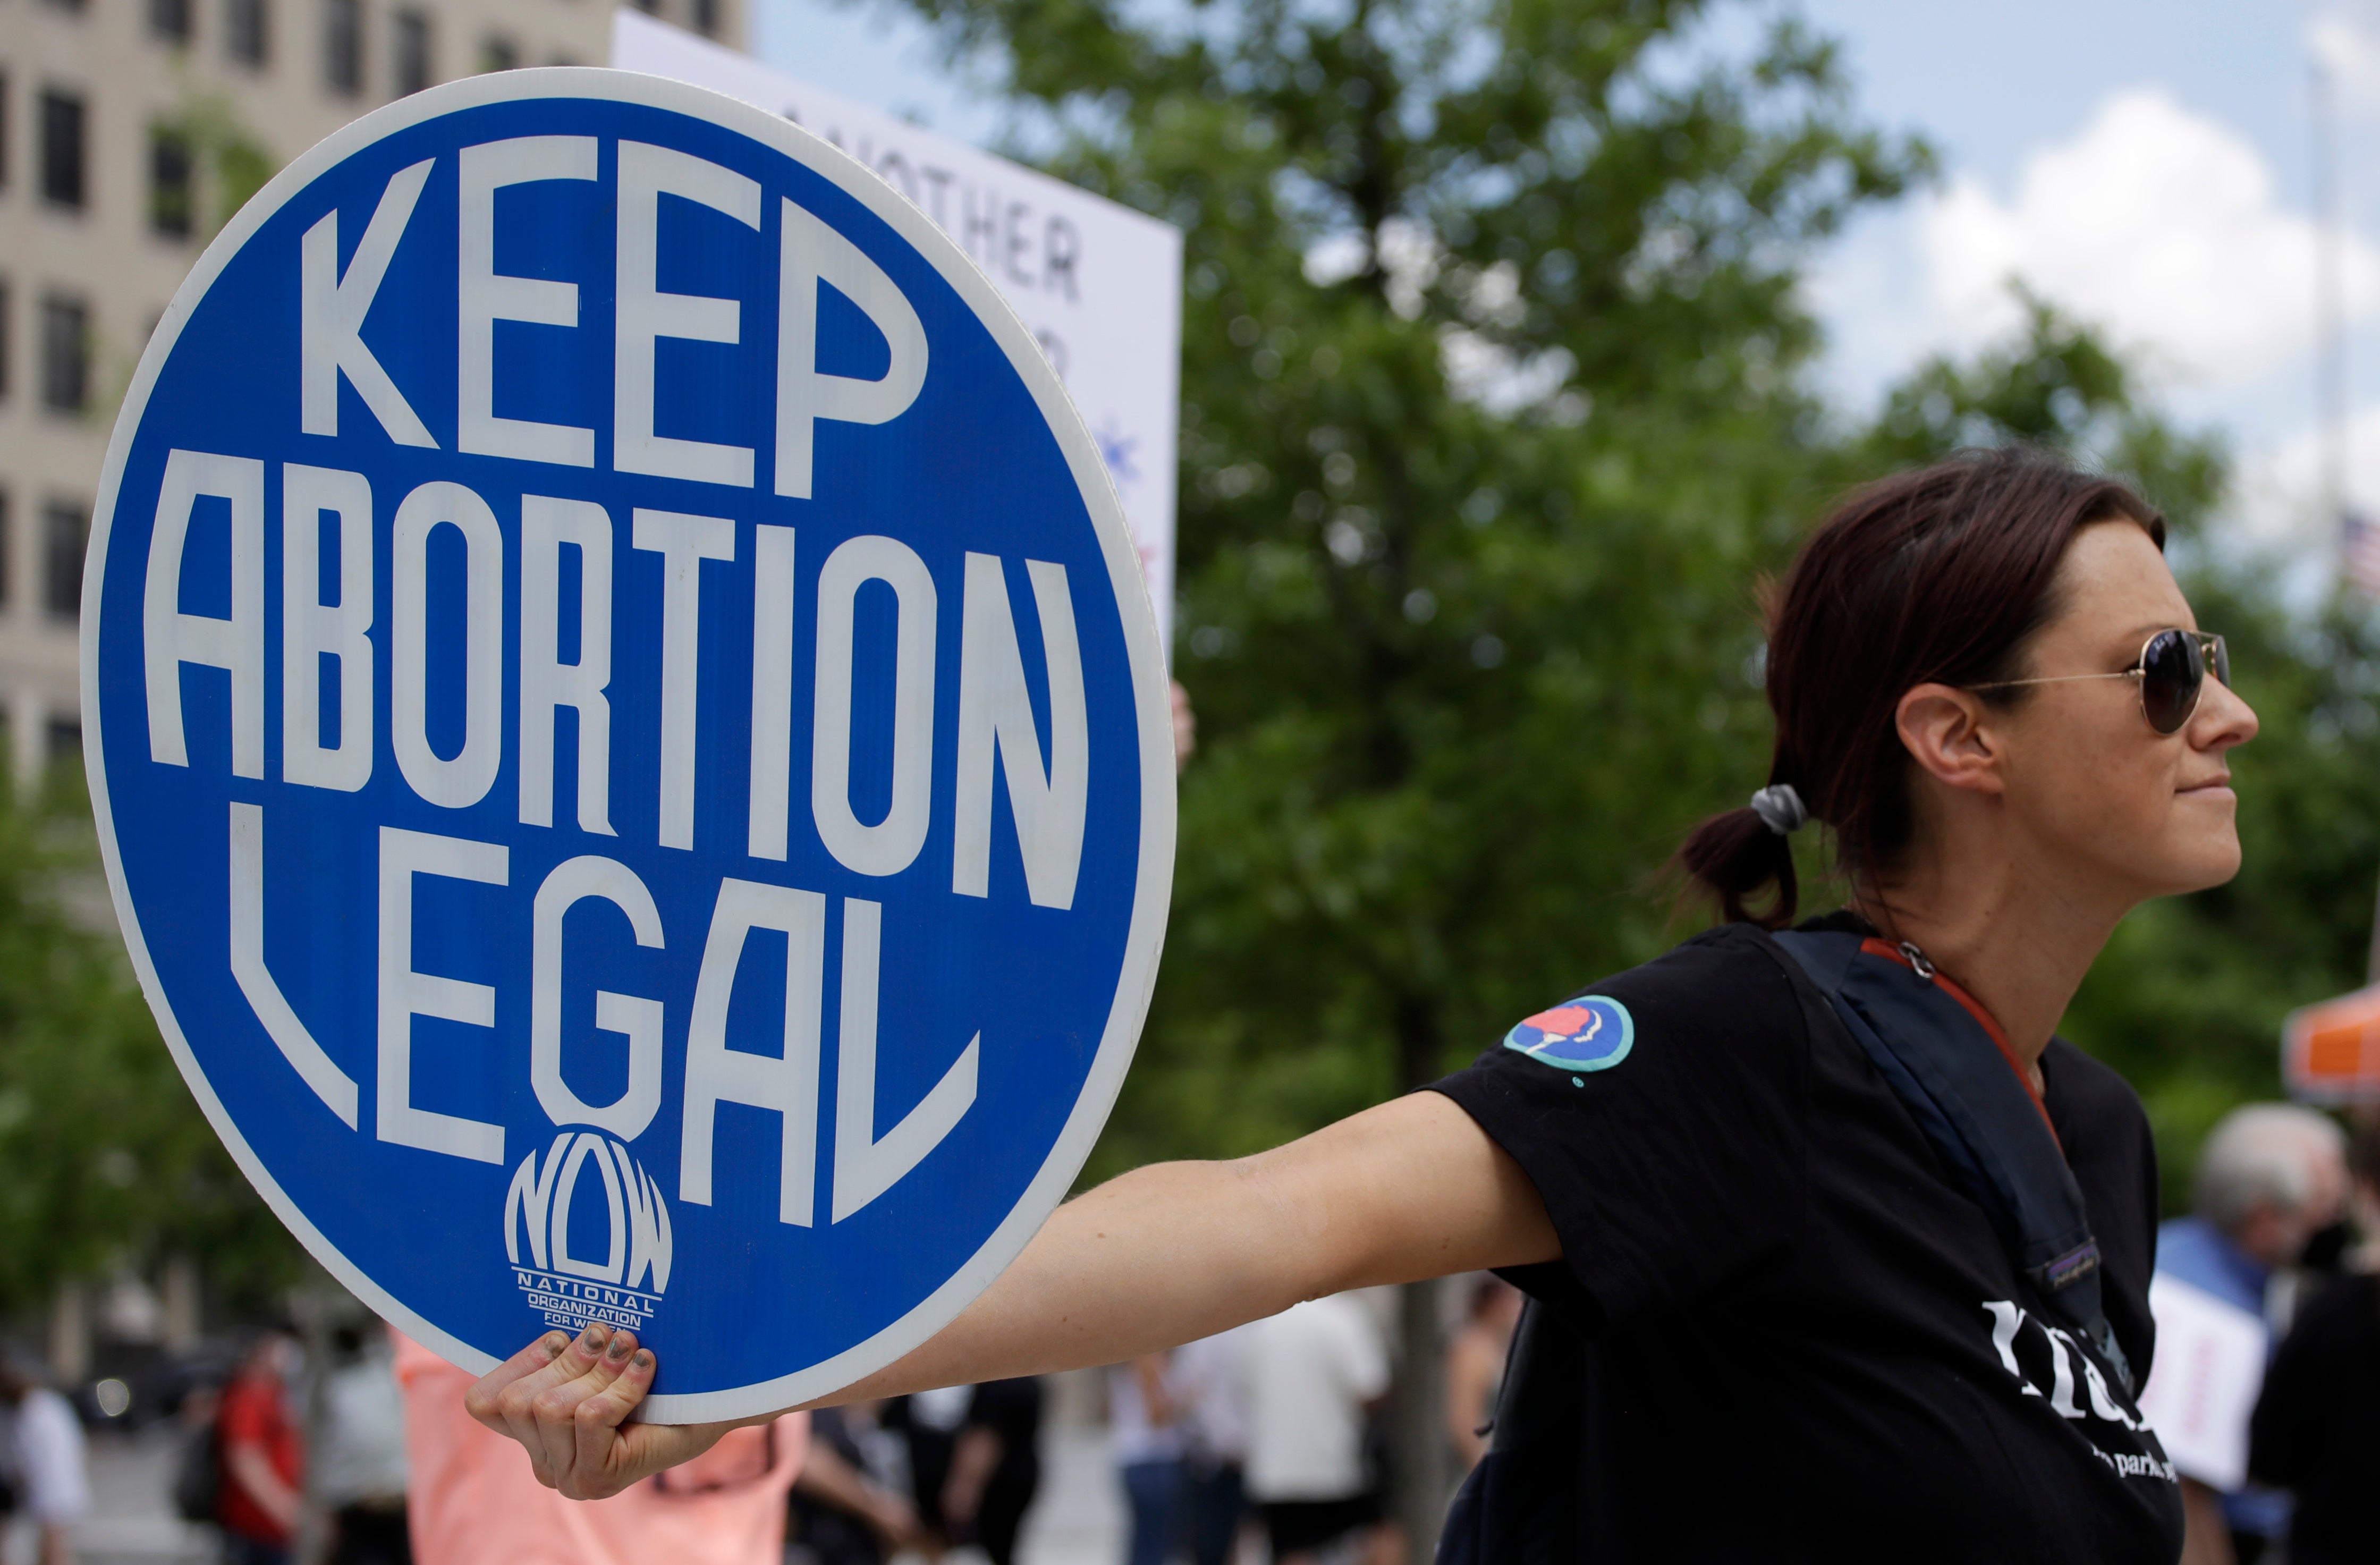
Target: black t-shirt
(1806, 1342)
(2317, 1425)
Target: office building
(129, 131)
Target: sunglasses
(2173, 671)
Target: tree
(1491, 411)
(109, 1162)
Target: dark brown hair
(1942, 574)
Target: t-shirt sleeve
(1661, 1115)
(245, 1417)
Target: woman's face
(2087, 779)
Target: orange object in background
(2330, 1052)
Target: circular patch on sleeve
(1591, 1033)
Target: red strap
(1878, 947)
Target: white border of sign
(1144, 940)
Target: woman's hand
(568, 1401)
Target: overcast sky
(2143, 162)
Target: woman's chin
(2204, 866)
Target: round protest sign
(631, 749)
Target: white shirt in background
(47, 1440)
(1205, 1381)
(362, 1453)
(1307, 1374)
(1132, 1438)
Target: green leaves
(1493, 417)
(106, 1160)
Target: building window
(62, 148)
(8, 336)
(248, 31)
(498, 53)
(342, 47)
(705, 17)
(6, 527)
(170, 19)
(170, 192)
(66, 355)
(66, 530)
(5, 121)
(650, 7)
(410, 53)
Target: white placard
(1098, 284)
(2210, 1366)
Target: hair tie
(1780, 808)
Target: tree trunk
(69, 1337)
(1420, 1454)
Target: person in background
(1309, 1374)
(1474, 1366)
(360, 1471)
(1145, 1439)
(995, 1467)
(2270, 1176)
(44, 1454)
(264, 1455)
(928, 1423)
(1207, 1381)
(841, 1513)
(475, 1500)
(2317, 1426)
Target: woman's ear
(1944, 729)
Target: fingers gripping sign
(568, 1401)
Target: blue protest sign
(631, 750)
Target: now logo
(540, 1199)
(624, 1287)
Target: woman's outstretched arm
(1158, 1257)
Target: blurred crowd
(1268, 1443)
(2266, 1391)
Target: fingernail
(643, 1359)
(555, 1344)
(618, 1350)
(592, 1338)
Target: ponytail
(1738, 854)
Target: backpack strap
(1980, 1116)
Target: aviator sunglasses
(2173, 671)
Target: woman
(1807, 1340)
